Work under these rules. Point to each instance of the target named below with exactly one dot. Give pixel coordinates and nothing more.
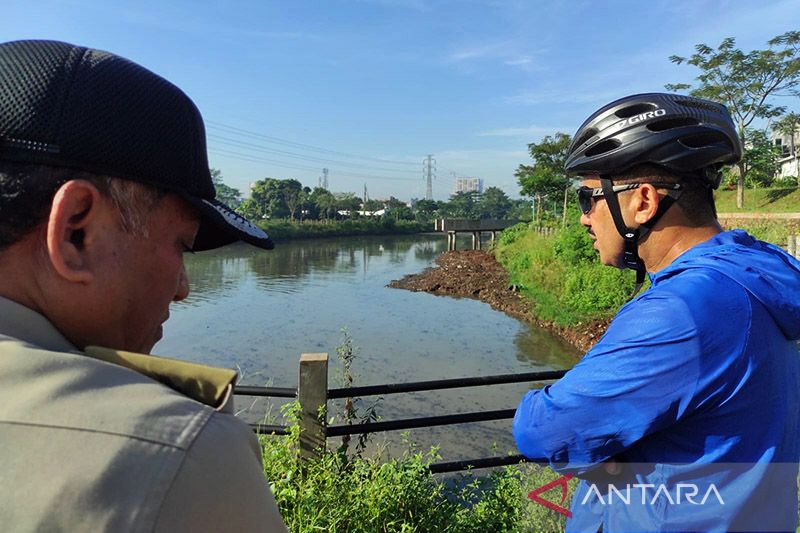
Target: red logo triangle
(560, 482)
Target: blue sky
(368, 88)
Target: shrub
(356, 494)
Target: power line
(277, 140)
(256, 159)
(260, 148)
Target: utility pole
(428, 171)
(366, 198)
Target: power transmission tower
(325, 178)
(366, 198)
(429, 172)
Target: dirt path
(476, 274)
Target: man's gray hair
(26, 195)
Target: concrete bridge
(453, 226)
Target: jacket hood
(768, 273)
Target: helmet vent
(701, 140)
(671, 123)
(636, 109)
(699, 104)
(588, 134)
(603, 147)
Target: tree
(494, 203)
(745, 82)
(462, 205)
(371, 206)
(760, 159)
(426, 210)
(225, 194)
(545, 180)
(293, 195)
(347, 201)
(323, 202)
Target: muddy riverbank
(478, 275)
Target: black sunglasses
(587, 195)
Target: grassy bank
(284, 230)
(560, 276)
(775, 200)
(563, 280)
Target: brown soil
(476, 274)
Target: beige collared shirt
(92, 445)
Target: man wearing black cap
(104, 184)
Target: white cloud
(554, 96)
(529, 131)
(508, 52)
(519, 61)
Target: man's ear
(75, 216)
(645, 203)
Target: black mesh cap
(69, 106)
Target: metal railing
(313, 394)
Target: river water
(259, 310)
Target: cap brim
(220, 225)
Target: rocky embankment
(477, 274)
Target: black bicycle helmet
(681, 133)
(686, 135)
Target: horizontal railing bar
(275, 392)
(439, 384)
(487, 462)
(266, 429)
(424, 422)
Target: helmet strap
(632, 236)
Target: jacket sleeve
(641, 377)
(221, 484)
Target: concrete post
(792, 245)
(312, 392)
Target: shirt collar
(25, 324)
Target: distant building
(789, 156)
(468, 185)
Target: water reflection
(259, 310)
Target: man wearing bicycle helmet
(694, 389)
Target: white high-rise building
(468, 185)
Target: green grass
(560, 275)
(284, 230)
(775, 200)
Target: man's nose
(585, 219)
(182, 290)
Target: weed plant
(336, 493)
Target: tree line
(288, 199)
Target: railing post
(312, 393)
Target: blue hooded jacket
(696, 381)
